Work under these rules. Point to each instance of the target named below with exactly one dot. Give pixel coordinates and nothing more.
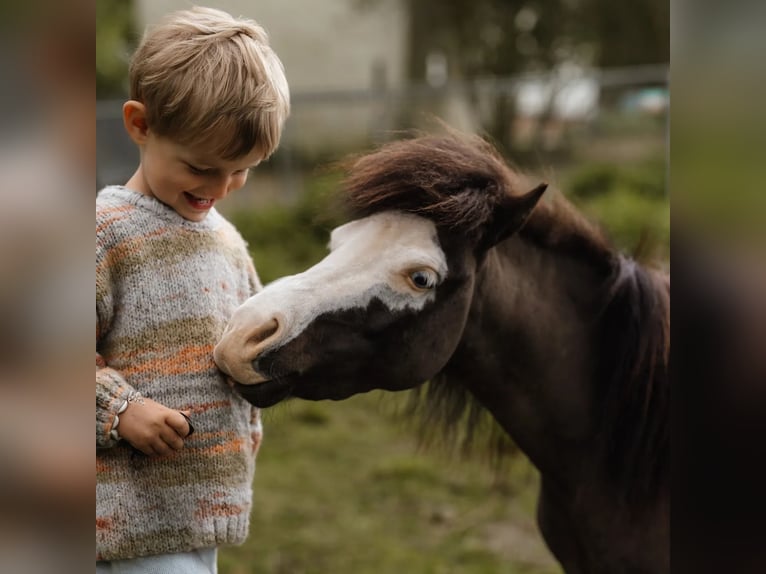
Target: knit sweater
(165, 288)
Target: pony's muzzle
(244, 340)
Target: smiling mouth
(198, 202)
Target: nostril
(264, 331)
(245, 338)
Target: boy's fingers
(172, 439)
(187, 416)
(161, 448)
(149, 449)
(182, 425)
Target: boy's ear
(134, 119)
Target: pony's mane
(456, 180)
(634, 379)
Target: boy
(175, 445)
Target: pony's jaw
(369, 261)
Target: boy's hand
(153, 428)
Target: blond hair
(207, 78)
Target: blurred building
(343, 54)
(346, 63)
(350, 67)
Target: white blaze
(370, 258)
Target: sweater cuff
(111, 393)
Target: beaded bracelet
(133, 397)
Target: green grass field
(344, 488)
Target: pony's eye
(423, 279)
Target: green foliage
(115, 38)
(286, 239)
(598, 179)
(633, 221)
(630, 203)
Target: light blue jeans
(202, 561)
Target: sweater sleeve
(256, 425)
(112, 390)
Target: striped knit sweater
(165, 287)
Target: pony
(455, 270)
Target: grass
(343, 488)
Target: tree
(629, 32)
(115, 38)
(501, 38)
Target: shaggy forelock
(454, 180)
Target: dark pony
(456, 270)
(457, 182)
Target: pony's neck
(530, 346)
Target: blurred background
(575, 91)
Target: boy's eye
(197, 170)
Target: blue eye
(423, 279)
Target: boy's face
(188, 179)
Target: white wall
(325, 46)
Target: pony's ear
(511, 215)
